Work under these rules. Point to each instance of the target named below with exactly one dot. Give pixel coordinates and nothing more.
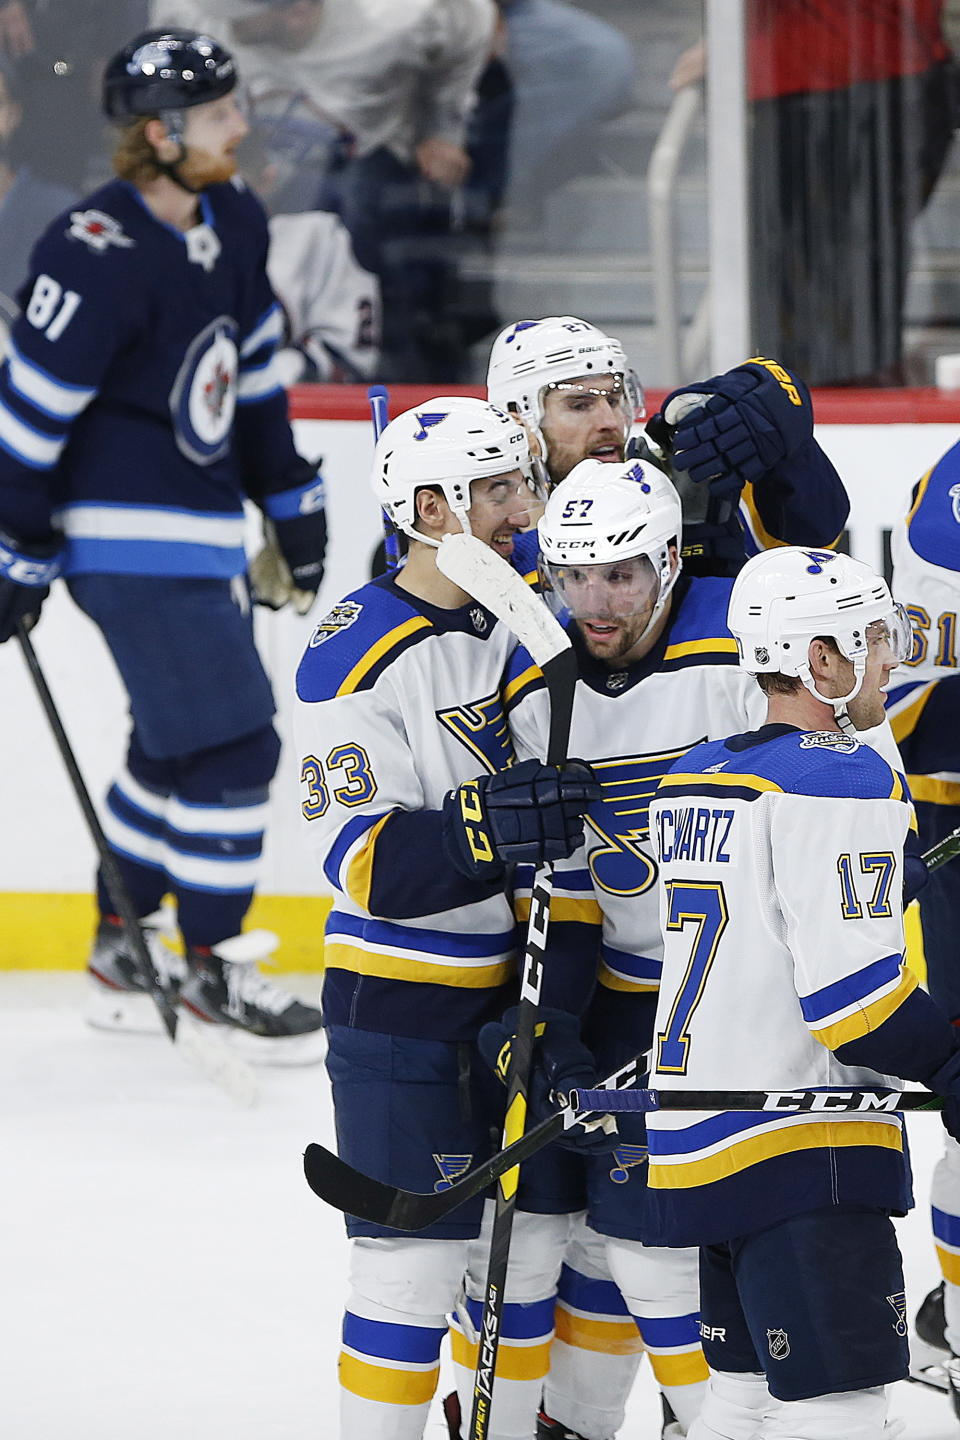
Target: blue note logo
(518, 329)
(626, 1157)
(427, 421)
(819, 558)
(451, 1167)
(898, 1304)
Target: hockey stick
(493, 581)
(946, 849)
(349, 1190)
(355, 1193)
(204, 1050)
(380, 416)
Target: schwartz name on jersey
(411, 947)
(139, 400)
(781, 865)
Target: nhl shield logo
(954, 493)
(778, 1343)
(451, 1167)
(479, 619)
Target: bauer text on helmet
(571, 385)
(446, 445)
(609, 539)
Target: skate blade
(934, 1377)
(131, 1012)
(205, 1048)
(291, 1050)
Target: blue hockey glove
(561, 1062)
(25, 578)
(299, 522)
(528, 814)
(753, 417)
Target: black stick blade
(349, 1190)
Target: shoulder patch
(97, 230)
(341, 617)
(829, 740)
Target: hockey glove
(299, 530)
(561, 1062)
(751, 418)
(528, 814)
(25, 578)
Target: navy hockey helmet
(166, 70)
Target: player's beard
(200, 169)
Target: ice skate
(116, 997)
(265, 1023)
(548, 1429)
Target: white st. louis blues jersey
(398, 702)
(924, 703)
(632, 726)
(780, 859)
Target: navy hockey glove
(25, 578)
(754, 416)
(528, 814)
(561, 1062)
(299, 525)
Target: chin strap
(838, 703)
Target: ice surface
(164, 1270)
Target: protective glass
(895, 631)
(625, 395)
(616, 590)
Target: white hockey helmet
(530, 356)
(786, 597)
(447, 443)
(602, 516)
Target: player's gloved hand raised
(561, 1062)
(740, 424)
(528, 814)
(25, 578)
(290, 567)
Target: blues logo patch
(341, 617)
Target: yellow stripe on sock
(606, 1337)
(514, 1362)
(949, 1265)
(687, 1369)
(389, 1386)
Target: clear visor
(621, 393)
(894, 632)
(617, 590)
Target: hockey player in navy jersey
(413, 819)
(138, 407)
(924, 709)
(739, 446)
(780, 854)
(658, 673)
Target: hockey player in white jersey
(739, 446)
(780, 854)
(413, 818)
(658, 674)
(924, 709)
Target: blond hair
(135, 158)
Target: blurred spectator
(853, 107)
(60, 48)
(331, 305)
(27, 202)
(571, 72)
(400, 81)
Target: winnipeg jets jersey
(139, 399)
(924, 703)
(632, 725)
(398, 702)
(780, 857)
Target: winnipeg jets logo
(427, 421)
(216, 389)
(819, 558)
(97, 230)
(204, 394)
(954, 493)
(626, 1157)
(451, 1167)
